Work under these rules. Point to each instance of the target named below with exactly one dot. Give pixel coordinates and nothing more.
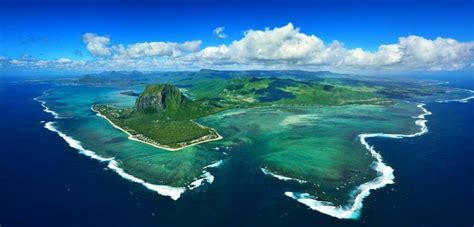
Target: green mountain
(158, 98)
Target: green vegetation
(272, 91)
(155, 128)
(165, 115)
(209, 84)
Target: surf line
(385, 176)
(165, 190)
(280, 177)
(463, 100)
(172, 192)
(45, 108)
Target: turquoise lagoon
(320, 152)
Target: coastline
(132, 137)
(172, 192)
(362, 191)
(385, 176)
(165, 190)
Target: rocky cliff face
(157, 98)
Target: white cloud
(219, 33)
(278, 45)
(283, 47)
(32, 63)
(156, 49)
(287, 47)
(64, 60)
(97, 45)
(437, 54)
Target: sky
(70, 37)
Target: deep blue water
(44, 182)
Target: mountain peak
(160, 97)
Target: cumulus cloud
(285, 47)
(437, 54)
(284, 44)
(33, 63)
(97, 45)
(219, 33)
(156, 49)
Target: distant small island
(130, 93)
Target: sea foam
(463, 100)
(205, 176)
(75, 143)
(385, 177)
(281, 177)
(172, 192)
(46, 109)
(215, 164)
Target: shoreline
(385, 176)
(132, 137)
(164, 190)
(345, 212)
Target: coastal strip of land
(204, 139)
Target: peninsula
(162, 117)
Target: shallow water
(149, 164)
(48, 183)
(319, 146)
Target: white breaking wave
(75, 143)
(464, 100)
(172, 192)
(281, 177)
(46, 109)
(215, 164)
(206, 176)
(385, 177)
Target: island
(129, 93)
(311, 129)
(164, 117)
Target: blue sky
(51, 30)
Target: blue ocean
(45, 182)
